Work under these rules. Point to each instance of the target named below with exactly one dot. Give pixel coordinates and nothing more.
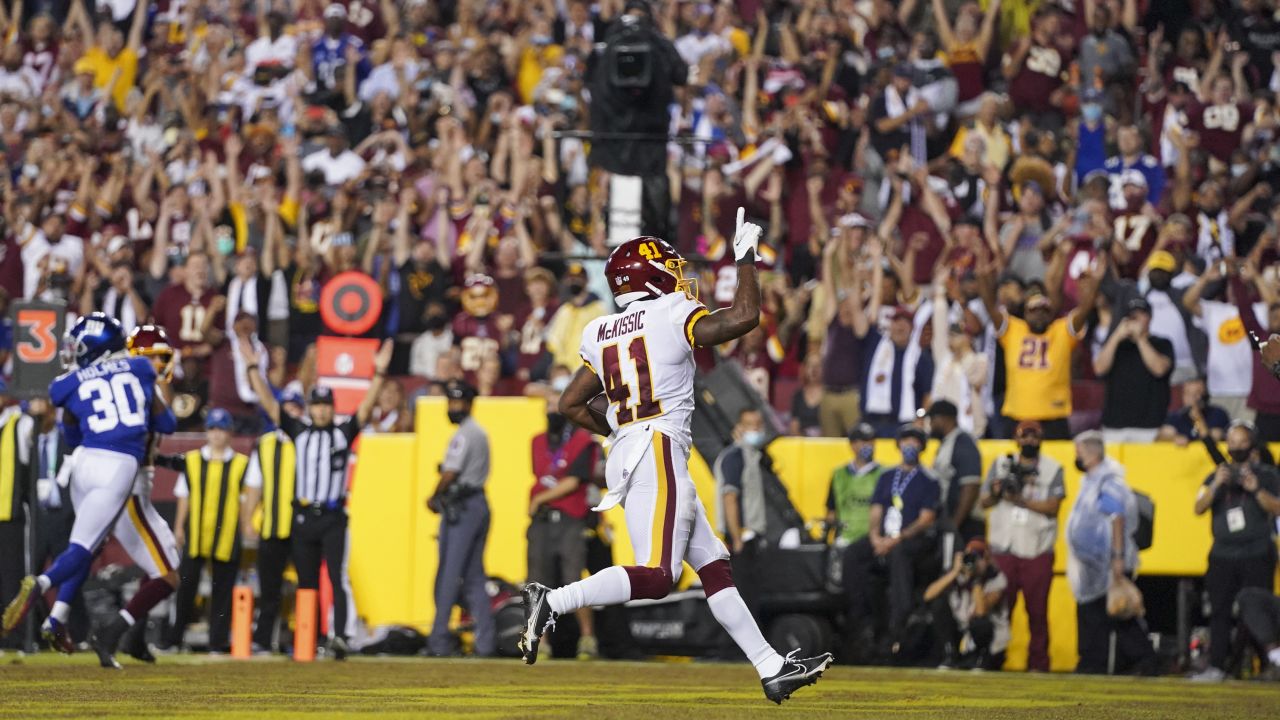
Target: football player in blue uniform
(109, 407)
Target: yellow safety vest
(9, 485)
(213, 505)
(277, 462)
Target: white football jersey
(644, 358)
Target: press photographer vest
(277, 461)
(214, 504)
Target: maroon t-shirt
(1038, 78)
(222, 383)
(532, 328)
(11, 269)
(1137, 233)
(183, 315)
(1221, 127)
(477, 338)
(42, 58)
(1079, 257)
(512, 298)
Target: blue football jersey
(109, 405)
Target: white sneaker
(1208, 675)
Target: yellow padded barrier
(393, 536)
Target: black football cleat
(136, 645)
(795, 674)
(338, 647)
(21, 604)
(538, 619)
(55, 635)
(106, 640)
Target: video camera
(1016, 477)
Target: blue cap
(217, 419)
(291, 396)
(1093, 95)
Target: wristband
(251, 368)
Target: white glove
(746, 239)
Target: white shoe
(1208, 675)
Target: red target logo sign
(351, 303)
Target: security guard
(207, 524)
(464, 526)
(269, 500)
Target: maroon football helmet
(646, 268)
(152, 342)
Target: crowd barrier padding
(393, 535)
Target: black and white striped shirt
(322, 456)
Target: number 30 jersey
(644, 358)
(108, 405)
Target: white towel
(243, 388)
(880, 379)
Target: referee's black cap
(459, 390)
(320, 395)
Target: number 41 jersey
(111, 404)
(644, 358)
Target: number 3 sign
(37, 333)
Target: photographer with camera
(1024, 493)
(970, 611)
(1244, 498)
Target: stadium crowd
(1053, 216)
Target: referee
(322, 450)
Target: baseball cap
(976, 545)
(1093, 95)
(1029, 427)
(1133, 177)
(943, 408)
(291, 396)
(966, 219)
(1162, 260)
(854, 220)
(116, 244)
(862, 431)
(903, 69)
(335, 10)
(908, 430)
(902, 312)
(1096, 175)
(217, 419)
(459, 390)
(1138, 304)
(321, 395)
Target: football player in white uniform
(641, 359)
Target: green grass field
(192, 686)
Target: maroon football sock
(148, 596)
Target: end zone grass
(192, 686)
